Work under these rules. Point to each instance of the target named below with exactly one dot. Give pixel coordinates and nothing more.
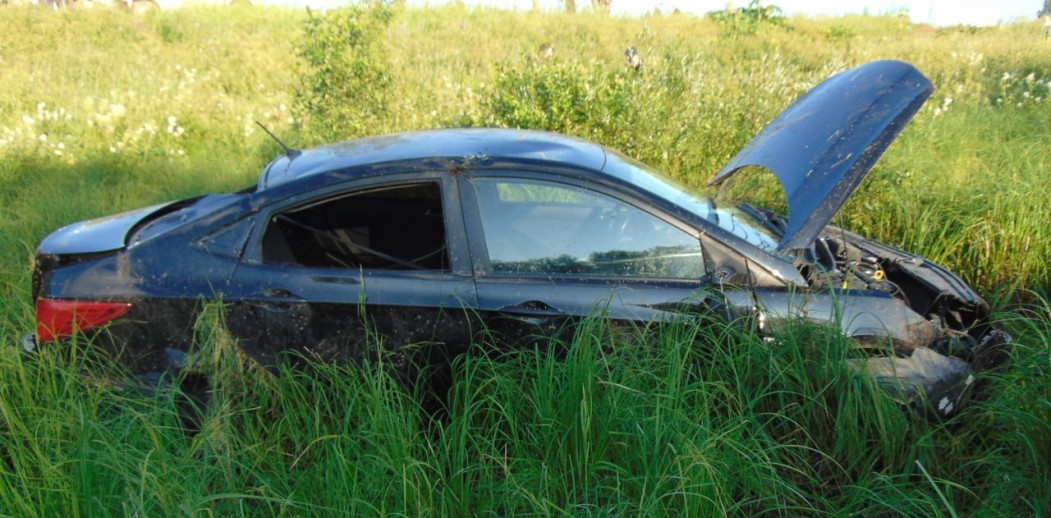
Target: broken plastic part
(925, 379)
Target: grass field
(102, 111)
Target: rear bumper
(175, 361)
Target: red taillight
(59, 318)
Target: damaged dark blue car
(430, 238)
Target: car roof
(451, 144)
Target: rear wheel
(191, 401)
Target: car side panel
(335, 315)
(530, 312)
(167, 282)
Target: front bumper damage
(932, 383)
(926, 381)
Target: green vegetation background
(103, 111)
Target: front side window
(535, 227)
(392, 228)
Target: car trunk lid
(96, 235)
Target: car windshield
(731, 219)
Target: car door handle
(532, 308)
(280, 293)
(277, 300)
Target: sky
(935, 12)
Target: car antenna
(291, 153)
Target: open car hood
(822, 146)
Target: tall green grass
(103, 111)
(685, 419)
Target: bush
(345, 91)
(568, 99)
(672, 116)
(747, 20)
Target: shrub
(747, 20)
(345, 91)
(567, 99)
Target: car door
(550, 250)
(377, 268)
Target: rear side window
(177, 214)
(390, 228)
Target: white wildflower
(61, 145)
(42, 137)
(28, 120)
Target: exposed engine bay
(934, 369)
(960, 315)
(932, 331)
